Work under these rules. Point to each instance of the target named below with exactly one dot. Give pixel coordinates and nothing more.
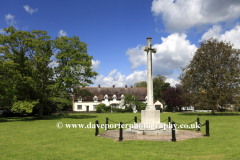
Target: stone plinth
(150, 116)
(150, 129)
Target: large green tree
(159, 86)
(41, 70)
(212, 77)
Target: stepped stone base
(150, 129)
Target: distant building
(111, 96)
(158, 104)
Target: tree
(131, 100)
(140, 84)
(212, 77)
(159, 86)
(44, 70)
(173, 97)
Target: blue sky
(115, 31)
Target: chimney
(99, 86)
(125, 86)
(113, 86)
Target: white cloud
(231, 35)
(95, 65)
(180, 15)
(136, 57)
(112, 72)
(119, 80)
(174, 52)
(172, 81)
(1, 31)
(212, 32)
(10, 19)
(62, 33)
(29, 9)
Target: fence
(169, 122)
(198, 124)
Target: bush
(168, 109)
(127, 109)
(100, 107)
(141, 106)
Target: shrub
(100, 107)
(127, 109)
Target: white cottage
(111, 96)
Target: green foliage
(127, 109)
(100, 108)
(212, 77)
(159, 86)
(235, 108)
(142, 106)
(24, 106)
(168, 109)
(140, 84)
(130, 100)
(34, 67)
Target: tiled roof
(110, 91)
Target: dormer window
(80, 98)
(114, 96)
(106, 97)
(122, 96)
(95, 98)
(146, 98)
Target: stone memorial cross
(149, 51)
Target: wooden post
(120, 133)
(198, 122)
(106, 125)
(135, 119)
(207, 128)
(173, 132)
(97, 124)
(169, 120)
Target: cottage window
(114, 96)
(79, 106)
(122, 96)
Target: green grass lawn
(30, 138)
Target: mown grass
(31, 138)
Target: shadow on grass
(209, 114)
(51, 117)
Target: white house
(158, 104)
(111, 96)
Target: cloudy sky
(115, 31)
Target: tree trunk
(213, 111)
(40, 111)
